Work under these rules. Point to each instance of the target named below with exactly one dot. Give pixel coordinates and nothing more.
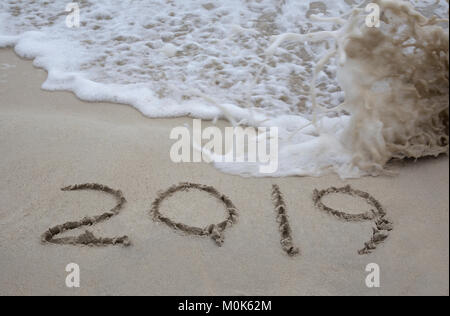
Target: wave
(346, 98)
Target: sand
(51, 140)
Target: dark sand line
(382, 224)
(282, 218)
(215, 231)
(88, 238)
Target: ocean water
(228, 59)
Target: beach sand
(49, 140)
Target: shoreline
(50, 140)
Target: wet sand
(50, 140)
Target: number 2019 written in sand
(382, 225)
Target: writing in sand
(382, 225)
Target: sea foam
(242, 60)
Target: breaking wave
(346, 97)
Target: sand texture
(271, 236)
